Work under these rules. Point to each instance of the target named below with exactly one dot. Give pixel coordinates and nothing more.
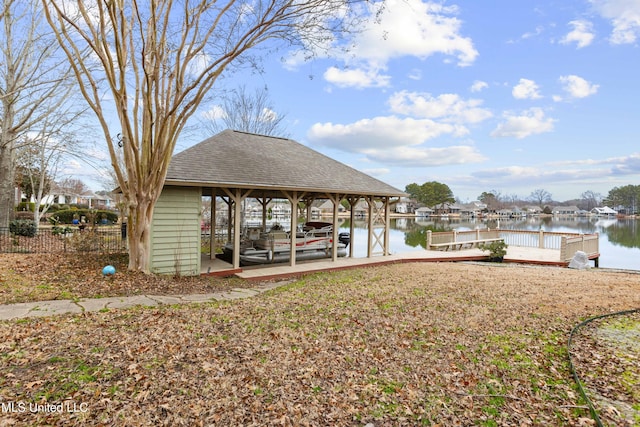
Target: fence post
(455, 236)
(582, 241)
(563, 248)
(477, 234)
(541, 240)
(429, 239)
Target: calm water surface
(619, 238)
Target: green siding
(175, 232)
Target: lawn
(410, 344)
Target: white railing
(567, 243)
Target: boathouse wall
(175, 232)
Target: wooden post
(387, 225)
(429, 237)
(353, 201)
(212, 243)
(541, 240)
(563, 248)
(294, 198)
(237, 196)
(370, 227)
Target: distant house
(472, 210)
(604, 211)
(566, 210)
(404, 205)
(533, 210)
(447, 209)
(326, 208)
(423, 212)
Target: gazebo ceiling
(270, 167)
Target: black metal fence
(65, 239)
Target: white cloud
(402, 140)
(624, 16)
(214, 113)
(526, 89)
(416, 28)
(398, 28)
(576, 87)
(357, 78)
(530, 122)
(479, 85)
(447, 107)
(415, 74)
(582, 34)
(198, 64)
(377, 133)
(394, 141)
(427, 156)
(377, 171)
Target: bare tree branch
(159, 59)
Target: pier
(525, 247)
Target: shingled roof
(233, 159)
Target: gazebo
(232, 166)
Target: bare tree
(40, 160)
(540, 196)
(159, 59)
(33, 81)
(247, 112)
(73, 187)
(591, 199)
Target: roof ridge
(259, 134)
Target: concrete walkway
(52, 308)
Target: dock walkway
(526, 255)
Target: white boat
(315, 241)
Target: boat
(314, 241)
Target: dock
(515, 254)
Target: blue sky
(510, 96)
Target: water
(619, 238)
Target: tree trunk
(7, 186)
(139, 234)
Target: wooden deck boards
(515, 254)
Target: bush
(26, 206)
(66, 216)
(497, 250)
(23, 227)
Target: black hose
(592, 409)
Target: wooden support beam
(294, 198)
(237, 196)
(335, 199)
(353, 201)
(212, 228)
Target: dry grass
(42, 277)
(412, 344)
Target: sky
(503, 96)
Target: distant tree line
(434, 194)
(627, 196)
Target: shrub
(23, 227)
(497, 250)
(26, 206)
(66, 216)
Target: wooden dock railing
(566, 243)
